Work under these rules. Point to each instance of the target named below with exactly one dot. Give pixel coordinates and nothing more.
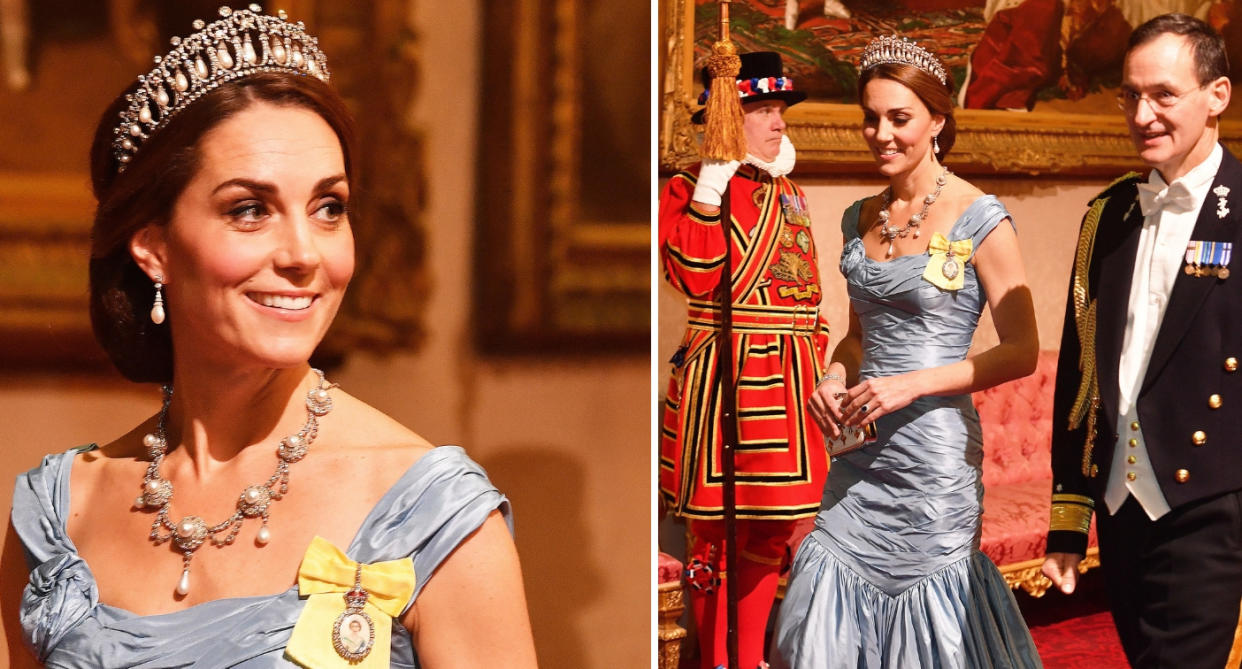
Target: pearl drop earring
(157, 309)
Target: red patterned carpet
(1089, 642)
(1074, 632)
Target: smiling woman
(892, 575)
(222, 248)
(262, 191)
(255, 266)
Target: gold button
(1182, 476)
(1133, 443)
(1134, 426)
(1214, 401)
(1095, 469)
(1231, 364)
(1131, 459)
(1131, 476)
(1199, 437)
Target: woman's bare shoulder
(870, 205)
(121, 454)
(962, 192)
(869, 212)
(358, 426)
(958, 196)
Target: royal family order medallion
(353, 633)
(949, 269)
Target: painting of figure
(1045, 55)
(1066, 56)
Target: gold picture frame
(828, 138)
(562, 249)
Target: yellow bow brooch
(947, 265)
(347, 620)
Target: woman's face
(897, 126)
(258, 251)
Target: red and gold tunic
(779, 339)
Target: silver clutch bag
(852, 438)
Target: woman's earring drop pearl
(157, 309)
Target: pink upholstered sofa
(670, 604)
(1017, 479)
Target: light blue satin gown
(442, 499)
(891, 577)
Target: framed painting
(562, 248)
(61, 68)
(1036, 80)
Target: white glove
(714, 177)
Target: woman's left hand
(877, 397)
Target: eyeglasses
(1128, 100)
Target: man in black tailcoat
(1148, 412)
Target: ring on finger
(862, 409)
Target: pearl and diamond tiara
(239, 44)
(894, 49)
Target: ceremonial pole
(724, 139)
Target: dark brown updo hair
(936, 96)
(120, 292)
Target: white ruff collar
(783, 164)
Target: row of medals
(1218, 271)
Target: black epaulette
(1118, 185)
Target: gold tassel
(724, 138)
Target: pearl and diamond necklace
(192, 531)
(886, 200)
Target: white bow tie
(1174, 198)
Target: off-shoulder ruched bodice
(891, 575)
(438, 502)
(907, 322)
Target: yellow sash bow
(947, 267)
(325, 576)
